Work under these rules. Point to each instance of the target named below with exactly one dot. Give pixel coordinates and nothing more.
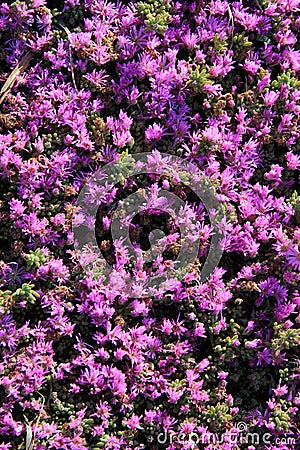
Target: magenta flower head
(157, 200)
(149, 224)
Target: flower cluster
(89, 82)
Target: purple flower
(154, 132)
(293, 257)
(264, 357)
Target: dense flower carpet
(188, 362)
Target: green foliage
(26, 292)
(218, 413)
(35, 258)
(198, 77)
(219, 44)
(294, 201)
(241, 42)
(284, 337)
(280, 417)
(8, 298)
(156, 14)
(286, 78)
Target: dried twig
(69, 36)
(30, 435)
(258, 4)
(20, 67)
(231, 22)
